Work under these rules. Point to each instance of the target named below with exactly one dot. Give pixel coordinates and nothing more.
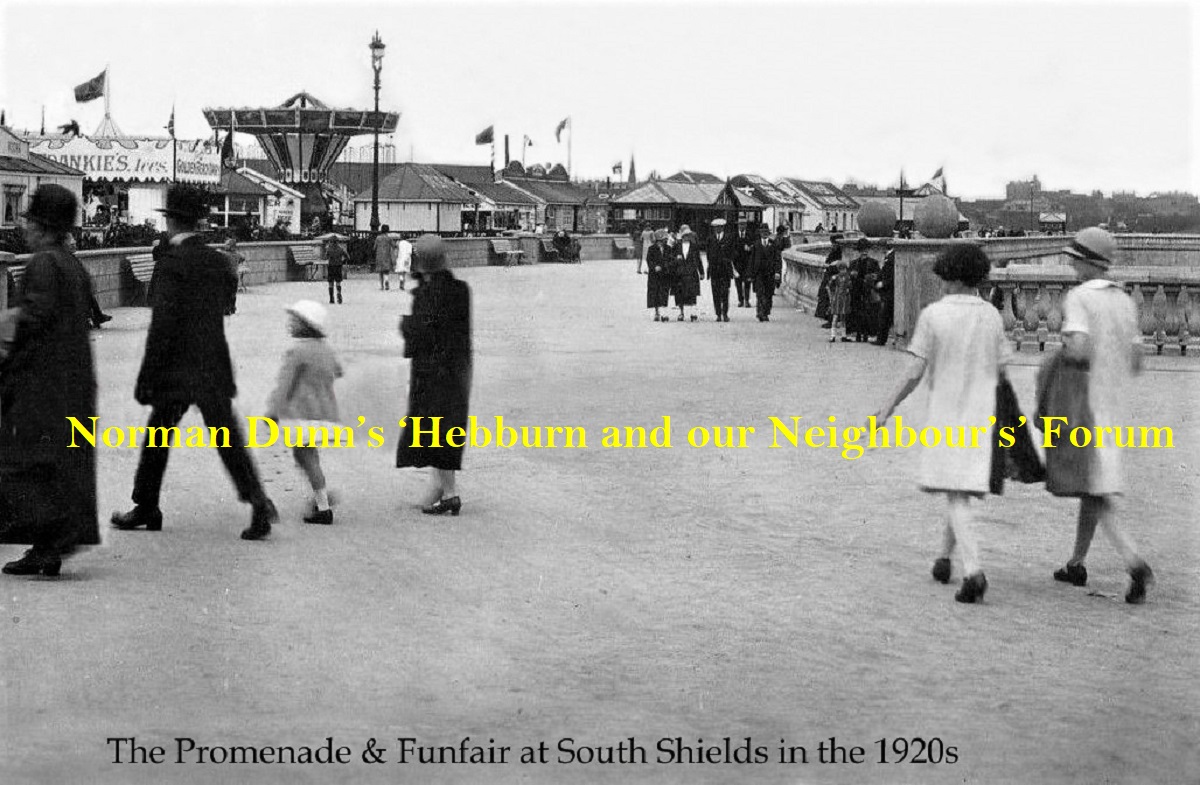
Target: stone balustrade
(1167, 300)
(1030, 277)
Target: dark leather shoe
(1074, 574)
(324, 517)
(973, 589)
(941, 570)
(35, 561)
(1140, 577)
(443, 506)
(139, 516)
(260, 524)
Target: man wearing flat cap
(720, 267)
(187, 363)
(1100, 332)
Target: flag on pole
(528, 142)
(558, 131)
(91, 89)
(170, 126)
(938, 180)
(486, 136)
(618, 167)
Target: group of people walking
(959, 346)
(751, 260)
(47, 375)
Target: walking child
(960, 347)
(304, 393)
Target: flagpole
(570, 133)
(174, 148)
(107, 91)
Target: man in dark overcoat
(886, 287)
(743, 242)
(765, 270)
(187, 363)
(720, 267)
(47, 487)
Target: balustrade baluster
(1054, 318)
(1019, 309)
(1158, 310)
(1189, 308)
(1173, 316)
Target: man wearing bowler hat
(765, 269)
(187, 363)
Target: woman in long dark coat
(689, 272)
(864, 308)
(47, 487)
(658, 275)
(437, 338)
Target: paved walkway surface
(780, 595)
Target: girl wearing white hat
(304, 392)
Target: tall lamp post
(377, 66)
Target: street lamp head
(377, 48)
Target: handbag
(1062, 392)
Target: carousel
(302, 137)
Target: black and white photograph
(600, 391)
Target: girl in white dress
(959, 347)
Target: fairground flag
(618, 167)
(558, 131)
(528, 142)
(170, 126)
(938, 180)
(486, 135)
(91, 89)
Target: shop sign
(135, 159)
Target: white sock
(321, 499)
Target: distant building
(696, 178)
(825, 205)
(22, 171)
(670, 204)
(780, 208)
(417, 198)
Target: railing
(1167, 300)
(803, 269)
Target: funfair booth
(126, 180)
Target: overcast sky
(1085, 95)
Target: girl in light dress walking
(959, 346)
(304, 392)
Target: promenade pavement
(601, 594)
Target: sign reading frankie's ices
(135, 159)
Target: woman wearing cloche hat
(437, 339)
(1100, 330)
(47, 487)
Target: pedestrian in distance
(831, 269)
(743, 242)
(647, 236)
(1100, 333)
(237, 264)
(839, 301)
(187, 363)
(47, 486)
(689, 272)
(385, 256)
(335, 266)
(720, 267)
(864, 273)
(885, 287)
(658, 276)
(404, 252)
(304, 393)
(960, 345)
(765, 269)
